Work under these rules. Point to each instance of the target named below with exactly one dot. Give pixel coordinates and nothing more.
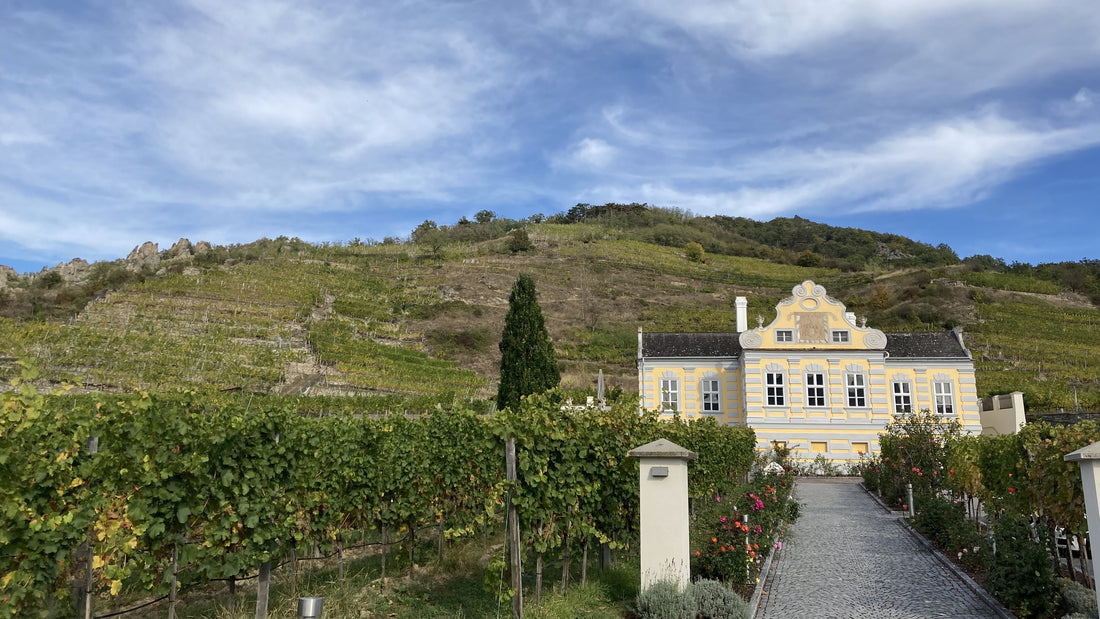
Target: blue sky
(974, 123)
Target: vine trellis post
(515, 549)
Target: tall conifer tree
(527, 361)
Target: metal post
(310, 608)
(909, 492)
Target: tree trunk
(605, 556)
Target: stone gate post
(663, 498)
(1089, 459)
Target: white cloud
(589, 154)
(938, 165)
(952, 47)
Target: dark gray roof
(935, 345)
(690, 345)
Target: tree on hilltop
(527, 361)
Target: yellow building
(814, 380)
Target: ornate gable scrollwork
(751, 339)
(875, 339)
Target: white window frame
(710, 389)
(943, 393)
(906, 394)
(784, 336)
(775, 386)
(816, 391)
(841, 336)
(855, 389)
(670, 394)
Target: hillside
(423, 319)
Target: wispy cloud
(232, 120)
(939, 165)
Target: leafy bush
(665, 600)
(1020, 573)
(1077, 599)
(519, 241)
(943, 520)
(714, 600)
(725, 546)
(694, 251)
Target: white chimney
(742, 305)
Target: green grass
(459, 587)
(1010, 281)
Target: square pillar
(663, 509)
(1089, 459)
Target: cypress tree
(527, 361)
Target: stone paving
(846, 557)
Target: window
(857, 390)
(840, 337)
(903, 396)
(711, 395)
(776, 391)
(945, 397)
(859, 448)
(784, 335)
(670, 394)
(815, 389)
(819, 447)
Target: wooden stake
(262, 590)
(384, 544)
(584, 561)
(514, 548)
(175, 582)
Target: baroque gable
(811, 319)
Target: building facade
(813, 380)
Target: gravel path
(847, 557)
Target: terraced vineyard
(412, 320)
(1048, 353)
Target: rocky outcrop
(76, 271)
(882, 250)
(144, 256)
(182, 249)
(6, 273)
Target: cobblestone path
(846, 557)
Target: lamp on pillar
(1089, 459)
(663, 494)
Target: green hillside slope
(416, 319)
